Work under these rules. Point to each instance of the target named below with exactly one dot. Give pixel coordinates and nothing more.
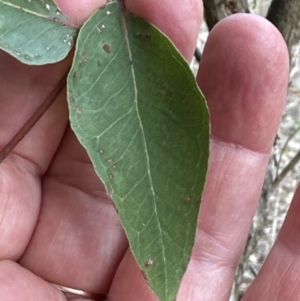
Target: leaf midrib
(43, 16)
(144, 140)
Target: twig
(275, 218)
(32, 120)
(284, 149)
(197, 54)
(211, 13)
(285, 171)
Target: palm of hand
(58, 225)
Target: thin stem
(286, 170)
(32, 120)
(284, 149)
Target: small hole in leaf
(149, 263)
(58, 12)
(78, 110)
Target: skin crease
(57, 224)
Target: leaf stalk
(8, 148)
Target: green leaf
(35, 31)
(135, 106)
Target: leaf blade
(34, 32)
(151, 146)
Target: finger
(79, 240)
(180, 22)
(23, 90)
(19, 206)
(16, 283)
(279, 277)
(129, 283)
(244, 77)
(79, 11)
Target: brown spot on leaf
(147, 37)
(106, 48)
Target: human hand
(58, 226)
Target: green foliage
(136, 108)
(33, 31)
